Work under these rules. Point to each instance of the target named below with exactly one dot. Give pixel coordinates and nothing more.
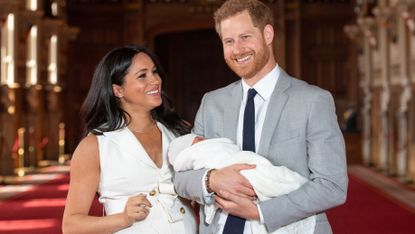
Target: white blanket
(267, 180)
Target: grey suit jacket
(300, 132)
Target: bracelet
(207, 181)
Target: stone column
(409, 18)
(406, 93)
(382, 13)
(369, 42)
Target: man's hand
(229, 180)
(238, 206)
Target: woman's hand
(136, 209)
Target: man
(288, 121)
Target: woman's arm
(84, 181)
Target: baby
(192, 152)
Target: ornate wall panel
(390, 43)
(24, 112)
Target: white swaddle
(267, 180)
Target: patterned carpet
(376, 204)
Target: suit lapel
(275, 108)
(231, 109)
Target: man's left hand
(238, 206)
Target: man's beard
(260, 59)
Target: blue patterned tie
(234, 224)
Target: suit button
(182, 210)
(152, 193)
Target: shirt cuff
(209, 198)
(261, 217)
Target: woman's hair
(260, 14)
(102, 111)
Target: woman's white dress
(127, 170)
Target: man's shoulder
(223, 91)
(305, 90)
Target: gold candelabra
(20, 170)
(61, 143)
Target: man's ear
(117, 90)
(268, 34)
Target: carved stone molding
(369, 30)
(353, 32)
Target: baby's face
(197, 139)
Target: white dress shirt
(265, 88)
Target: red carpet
(39, 211)
(368, 211)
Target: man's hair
(260, 14)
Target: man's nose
(238, 47)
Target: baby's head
(181, 143)
(197, 139)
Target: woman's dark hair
(102, 110)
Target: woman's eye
(142, 76)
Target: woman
(123, 159)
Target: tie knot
(251, 93)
